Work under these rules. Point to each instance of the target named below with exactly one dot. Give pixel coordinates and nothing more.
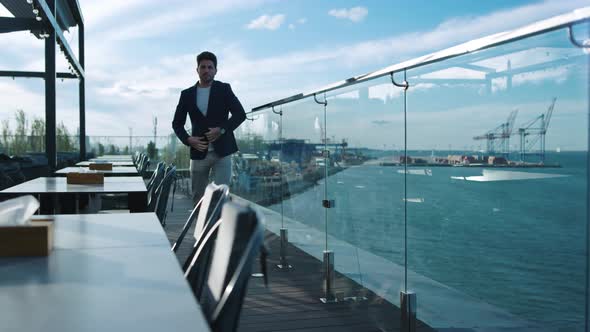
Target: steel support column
(407, 302)
(50, 103)
(82, 95)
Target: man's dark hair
(207, 56)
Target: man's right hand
(199, 143)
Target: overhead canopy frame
(47, 20)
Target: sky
(141, 53)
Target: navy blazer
(222, 101)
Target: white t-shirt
(203, 103)
(203, 99)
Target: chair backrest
(207, 211)
(239, 240)
(135, 157)
(140, 160)
(16, 174)
(155, 179)
(144, 167)
(198, 264)
(152, 193)
(162, 192)
(213, 199)
(5, 180)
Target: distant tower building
(172, 142)
(155, 121)
(364, 94)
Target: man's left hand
(213, 134)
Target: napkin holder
(35, 239)
(100, 166)
(85, 178)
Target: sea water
(516, 244)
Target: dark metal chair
(157, 200)
(5, 181)
(143, 168)
(119, 201)
(240, 238)
(162, 193)
(140, 160)
(153, 183)
(206, 213)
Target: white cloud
(558, 75)
(150, 86)
(153, 20)
(267, 22)
(15, 95)
(384, 91)
(300, 21)
(355, 14)
(104, 11)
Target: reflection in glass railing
(495, 174)
(159, 148)
(500, 228)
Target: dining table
(106, 272)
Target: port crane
(498, 139)
(537, 129)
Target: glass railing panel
(256, 170)
(117, 145)
(497, 228)
(365, 134)
(295, 155)
(22, 145)
(158, 148)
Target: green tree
(37, 142)
(100, 149)
(65, 143)
(182, 157)
(19, 144)
(6, 136)
(152, 151)
(113, 149)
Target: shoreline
(394, 164)
(275, 194)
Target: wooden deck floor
(291, 302)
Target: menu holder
(35, 239)
(100, 166)
(85, 178)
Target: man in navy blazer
(208, 104)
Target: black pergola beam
(12, 24)
(50, 94)
(76, 11)
(32, 74)
(48, 15)
(82, 84)
(48, 25)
